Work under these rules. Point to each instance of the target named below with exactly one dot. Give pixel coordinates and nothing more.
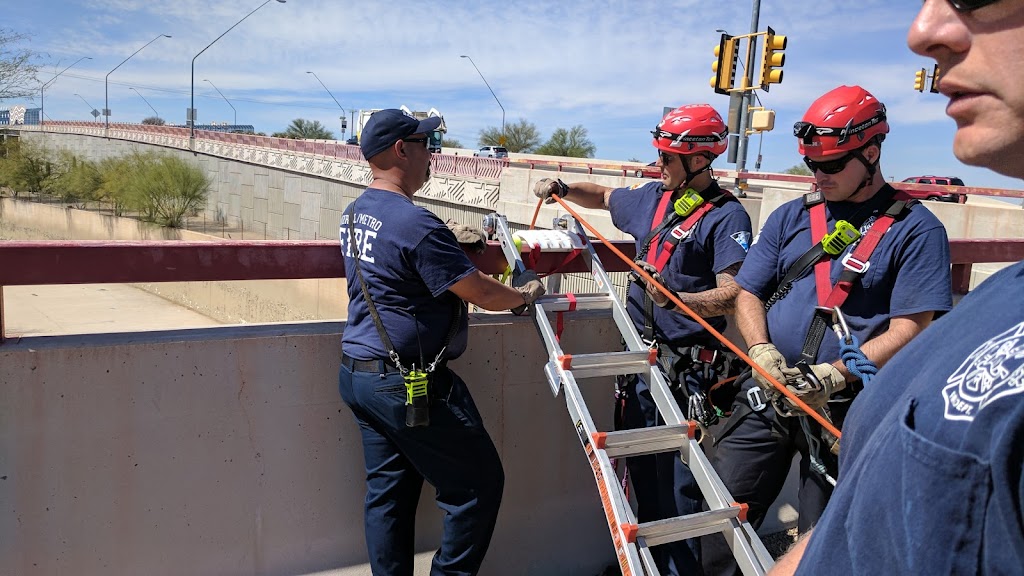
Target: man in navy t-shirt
(887, 295)
(933, 451)
(692, 236)
(403, 264)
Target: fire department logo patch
(993, 371)
(743, 239)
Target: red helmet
(842, 120)
(692, 129)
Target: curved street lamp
(42, 89)
(492, 94)
(92, 109)
(335, 101)
(106, 92)
(235, 122)
(146, 101)
(192, 105)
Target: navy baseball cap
(385, 127)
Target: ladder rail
(632, 541)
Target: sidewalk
(92, 309)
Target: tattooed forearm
(717, 301)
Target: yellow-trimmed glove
(530, 286)
(545, 187)
(656, 295)
(767, 356)
(829, 376)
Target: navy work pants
(454, 454)
(753, 455)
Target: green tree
(799, 170)
(520, 136)
(154, 121)
(27, 168)
(302, 129)
(118, 176)
(573, 143)
(18, 67)
(451, 143)
(170, 189)
(79, 179)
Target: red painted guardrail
(101, 262)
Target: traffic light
(919, 78)
(772, 59)
(935, 79)
(724, 66)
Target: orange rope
(679, 303)
(536, 211)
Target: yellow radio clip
(686, 203)
(836, 241)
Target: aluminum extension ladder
(632, 541)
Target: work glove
(830, 378)
(531, 288)
(545, 187)
(767, 356)
(472, 237)
(656, 295)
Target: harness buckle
(855, 265)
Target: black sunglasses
(417, 140)
(828, 166)
(666, 157)
(970, 5)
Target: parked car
(491, 152)
(936, 194)
(353, 141)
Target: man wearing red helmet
(853, 245)
(932, 453)
(692, 236)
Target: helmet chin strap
(689, 174)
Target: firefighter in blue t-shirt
(933, 449)
(408, 279)
(692, 237)
(855, 244)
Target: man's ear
(872, 153)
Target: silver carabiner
(840, 327)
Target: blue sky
(609, 65)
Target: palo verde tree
(573, 143)
(520, 136)
(799, 170)
(153, 121)
(18, 66)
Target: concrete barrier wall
(228, 451)
(229, 302)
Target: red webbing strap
(677, 234)
(857, 261)
(658, 214)
(823, 268)
(559, 322)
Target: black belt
(378, 366)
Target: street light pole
(106, 91)
(91, 107)
(226, 100)
(42, 89)
(192, 105)
(492, 94)
(335, 101)
(146, 101)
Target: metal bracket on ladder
(632, 540)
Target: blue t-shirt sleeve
(731, 239)
(622, 204)
(759, 274)
(923, 280)
(440, 261)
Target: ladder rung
(609, 363)
(690, 526)
(641, 441)
(563, 303)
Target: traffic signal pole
(741, 157)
